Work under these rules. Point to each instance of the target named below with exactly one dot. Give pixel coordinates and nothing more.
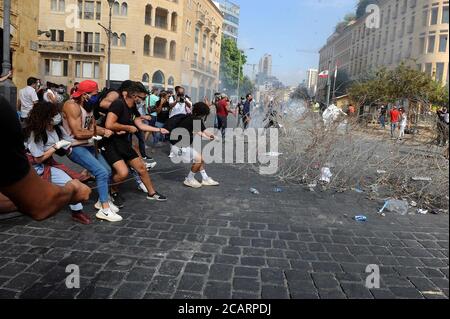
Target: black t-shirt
(163, 116)
(13, 160)
(192, 126)
(126, 115)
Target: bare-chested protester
(79, 123)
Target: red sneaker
(81, 218)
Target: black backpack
(101, 96)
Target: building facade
(231, 15)
(410, 31)
(24, 26)
(149, 40)
(311, 81)
(202, 41)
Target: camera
(181, 98)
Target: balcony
(208, 26)
(45, 46)
(201, 18)
(204, 69)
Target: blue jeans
(383, 121)
(158, 137)
(85, 157)
(393, 127)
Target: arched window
(115, 40)
(116, 8)
(158, 78)
(173, 50)
(123, 40)
(124, 9)
(171, 81)
(146, 78)
(147, 41)
(174, 25)
(148, 14)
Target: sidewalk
(225, 242)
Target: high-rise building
(311, 81)
(265, 65)
(24, 26)
(160, 43)
(410, 31)
(231, 14)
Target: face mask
(57, 119)
(91, 102)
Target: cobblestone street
(225, 242)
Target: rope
(134, 178)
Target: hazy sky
(282, 27)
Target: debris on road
(422, 179)
(395, 206)
(254, 191)
(326, 175)
(277, 190)
(422, 211)
(360, 218)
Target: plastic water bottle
(254, 191)
(361, 218)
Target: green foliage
(401, 83)
(301, 93)
(362, 5)
(247, 86)
(231, 58)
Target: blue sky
(282, 27)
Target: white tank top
(86, 121)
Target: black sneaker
(117, 200)
(158, 197)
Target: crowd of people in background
(107, 132)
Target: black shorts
(118, 149)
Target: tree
(231, 58)
(247, 86)
(301, 93)
(362, 6)
(402, 83)
(349, 17)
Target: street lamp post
(108, 82)
(7, 87)
(239, 70)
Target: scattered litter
(434, 293)
(326, 175)
(254, 191)
(273, 154)
(395, 206)
(413, 204)
(381, 172)
(374, 188)
(422, 179)
(358, 190)
(422, 211)
(278, 190)
(312, 186)
(360, 218)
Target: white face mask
(57, 119)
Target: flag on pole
(324, 74)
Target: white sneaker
(142, 187)
(210, 182)
(109, 215)
(113, 207)
(150, 165)
(192, 183)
